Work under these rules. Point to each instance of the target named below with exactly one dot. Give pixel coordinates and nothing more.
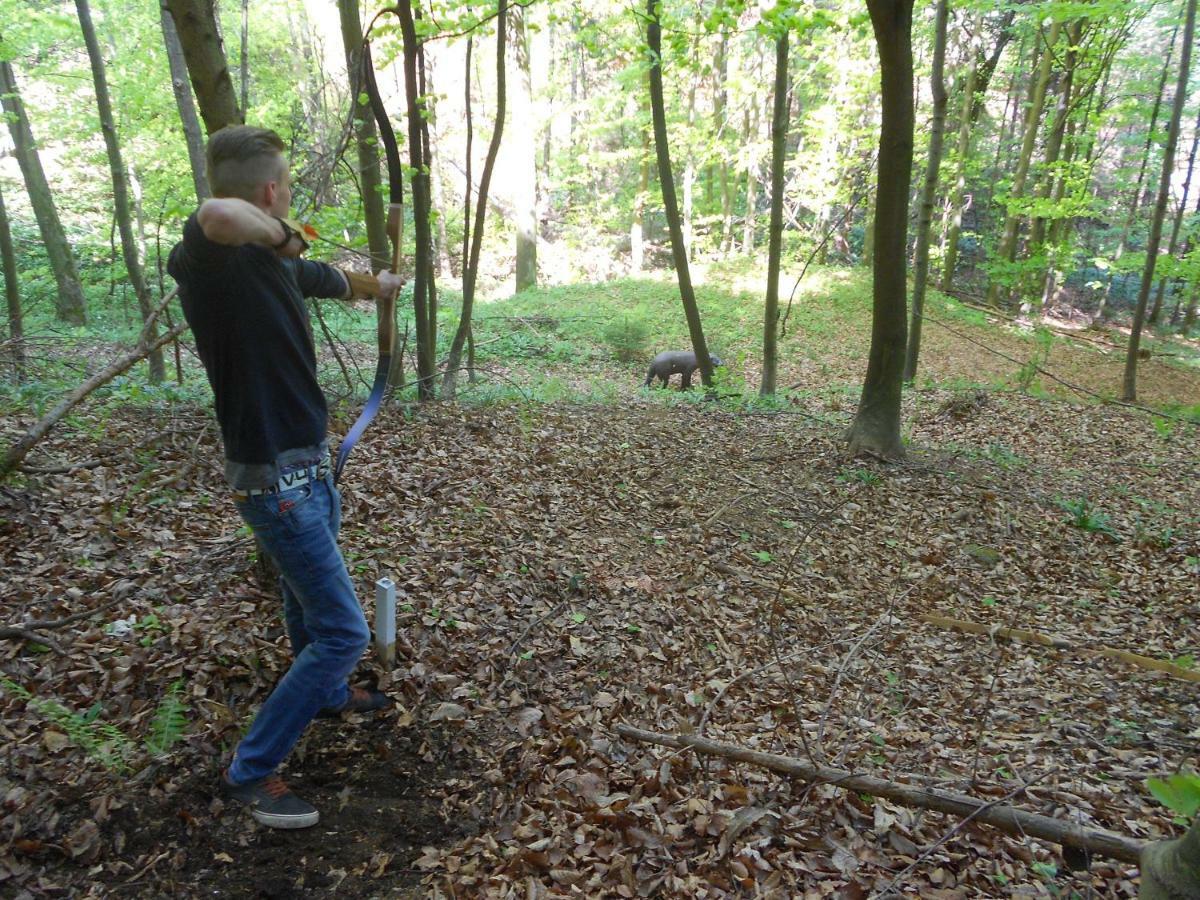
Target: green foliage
(1087, 517)
(628, 338)
(1179, 792)
(104, 742)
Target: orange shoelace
(275, 786)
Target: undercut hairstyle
(241, 158)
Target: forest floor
(652, 560)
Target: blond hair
(241, 158)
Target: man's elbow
(216, 220)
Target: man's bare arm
(233, 222)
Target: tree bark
(524, 156)
(471, 264)
(779, 127)
(421, 206)
(1007, 818)
(1007, 251)
(1135, 201)
(933, 164)
(204, 53)
(69, 303)
(1129, 385)
(954, 205)
(244, 56)
(679, 250)
(129, 246)
(1171, 869)
(637, 230)
(366, 139)
(1177, 224)
(876, 425)
(12, 294)
(186, 105)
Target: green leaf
(578, 618)
(1180, 792)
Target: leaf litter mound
(563, 569)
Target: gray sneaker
(271, 802)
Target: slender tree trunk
(423, 309)
(366, 139)
(1129, 387)
(187, 107)
(1007, 250)
(779, 127)
(129, 246)
(1177, 225)
(471, 265)
(524, 155)
(954, 206)
(670, 204)
(637, 231)
(1058, 130)
(933, 164)
(876, 426)
(12, 294)
(1135, 201)
(245, 55)
(196, 25)
(68, 302)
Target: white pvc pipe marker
(385, 621)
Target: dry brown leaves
(563, 569)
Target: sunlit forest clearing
(897, 598)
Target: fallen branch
(1007, 818)
(1060, 643)
(17, 452)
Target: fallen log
(1058, 642)
(1009, 819)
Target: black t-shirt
(246, 308)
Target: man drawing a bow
(242, 285)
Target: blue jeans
(328, 631)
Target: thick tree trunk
(670, 204)
(12, 295)
(1007, 251)
(524, 157)
(876, 425)
(471, 264)
(779, 127)
(933, 164)
(69, 304)
(196, 25)
(1129, 385)
(124, 215)
(1171, 869)
(183, 101)
(366, 139)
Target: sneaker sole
(275, 820)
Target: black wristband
(288, 233)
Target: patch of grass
(1084, 515)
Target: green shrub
(628, 338)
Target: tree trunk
(954, 205)
(1171, 869)
(121, 208)
(750, 123)
(876, 426)
(1135, 201)
(637, 231)
(779, 127)
(244, 59)
(366, 139)
(670, 204)
(421, 205)
(69, 303)
(12, 294)
(524, 156)
(928, 190)
(1058, 130)
(471, 264)
(1007, 250)
(204, 53)
(1177, 225)
(1129, 386)
(185, 104)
